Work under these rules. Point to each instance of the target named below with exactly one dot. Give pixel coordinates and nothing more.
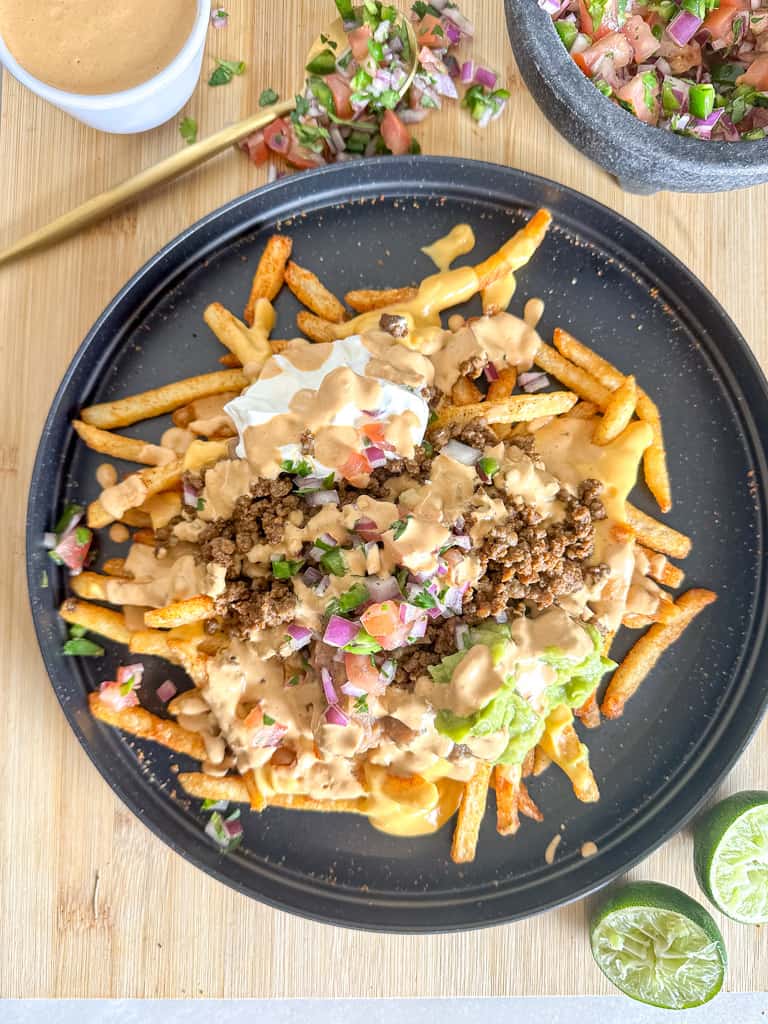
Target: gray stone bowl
(644, 159)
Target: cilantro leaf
(225, 71)
(188, 130)
(268, 97)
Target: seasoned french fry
(248, 344)
(618, 412)
(471, 811)
(499, 390)
(561, 743)
(115, 567)
(231, 360)
(180, 613)
(367, 299)
(133, 491)
(135, 517)
(146, 537)
(517, 409)
(574, 377)
(234, 788)
(642, 657)
(139, 722)
(270, 273)
(124, 411)
(279, 344)
(255, 796)
(119, 447)
(507, 782)
(201, 409)
(584, 410)
(527, 805)
(526, 768)
(653, 534)
(151, 641)
(541, 761)
(516, 252)
(498, 295)
(312, 293)
(315, 328)
(105, 622)
(90, 585)
(633, 620)
(466, 392)
(162, 508)
(589, 712)
(662, 570)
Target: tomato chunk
(396, 136)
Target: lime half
(731, 856)
(658, 946)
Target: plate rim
(420, 175)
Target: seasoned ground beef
(477, 433)
(418, 467)
(249, 604)
(439, 641)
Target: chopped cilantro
(348, 601)
(268, 720)
(363, 643)
(82, 535)
(300, 468)
(70, 511)
(188, 130)
(268, 97)
(225, 71)
(284, 568)
(200, 505)
(399, 527)
(428, 448)
(293, 681)
(333, 562)
(361, 705)
(424, 600)
(302, 106)
(421, 9)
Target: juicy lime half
(658, 946)
(730, 855)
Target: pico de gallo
(695, 67)
(354, 103)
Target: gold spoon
(93, 210)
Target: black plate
(362, 225)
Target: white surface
(725, 1009)
(135, 110)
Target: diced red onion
(453, 600)
(387, 671)
(300, 635)
(416, 116)
(683, 27)
(233, 828)
(311, 576)
(376, 457)
(468, 72)
(49, 541)
(338, 633)
(109, 693)
(486, 77)
(351, 690)
(190, 494)
(462, 453)
(418, 628)
(219, 17)
(445, 87)
(322, 586)
(328, 690)
(550, 6)
(491, 373)
(126, 672)
(529, 377)
(409, 612)
(452, 32)
(463, 24)
(434, 613)
(382, 589)
(166, 690)
(322, 498)
(269, 735)
(461, 540)
(452, 66)
(335, 716)
(663, 66)
(367, 529)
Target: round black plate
(362, 225)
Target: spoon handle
(172, 167)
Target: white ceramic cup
(134, 110)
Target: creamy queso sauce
(95, 46)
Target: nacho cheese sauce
(95, 46)
(261, 706)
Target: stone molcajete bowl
(643, 158)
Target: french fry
(105, 622)
(145, 537)
(133, 491)
(312, 293)
(279, 344)
(541, 761)
(507, 782)
(516, 252)
(119, 447)
(115, 567)
(658, 536)
(633, 620)
(561, 743)
(125, 411)
(90, 585)
(466, 392)
(255, 796)
(135, 517)
(516, 409)
(662, 570)
(574, 377)
(642, 657)
(230, 359)
(589, 712)
(584, 410)
(315, 328)
(249, 344)
(151, 641)
(234, 789)
(499, 390)
(367, 299)
(618, 413)
(527, 805)
(139, 722)
(526, 768)
(270, 273)
(202, 409)
(471, 811)
(180, 613)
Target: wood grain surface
(91, 903)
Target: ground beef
(419, 467)
(393, 324)
(307, 443)
(439, 641)
(524, 560)
(249, 604)
(477, 433)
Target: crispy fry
(162, 508)
(270, 273)
(516, 252)
(255, 797)
(471, 811)
(104, 621)
(561, 743)
(248, 344)
(500, 389)
(234, 789)
(526, 768)
(502, 430)
(574, 377)
(133, 491)
(312, 293)
(367, 299)
(653, 534)
(315, 328)
(662, 570)
(90, 585)
(151, 641)
(279, 344)
(541, 761)
(146, 537)
(180, 613)
(119, 447)
(466, 392)
(584, 410)
(230, 359)
(124, 411)
(202, 408)
(516, 409)
(507, 782)
(589, 712)
(135, 517)
(498, 295)
(115, 567)
(618, 413)
(642, 657)
(527, 805)
(143, 724)
(410, 792)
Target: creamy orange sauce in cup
(95, 46)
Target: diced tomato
(396, 136)
(303, 158)
(382, 619)
(341, 94)
(109, 694)
(614, 46)
(256, 148)
(643, 99)
(581, 64)
(358, 41)
(356, 467)
(756, 74)
(277, 135)
(254, 718)
(375, 432)
(720, 21)
(73, 552)
(430, 32)
(362, 673)
(643, 42)
(585, 18)
(680, 58)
